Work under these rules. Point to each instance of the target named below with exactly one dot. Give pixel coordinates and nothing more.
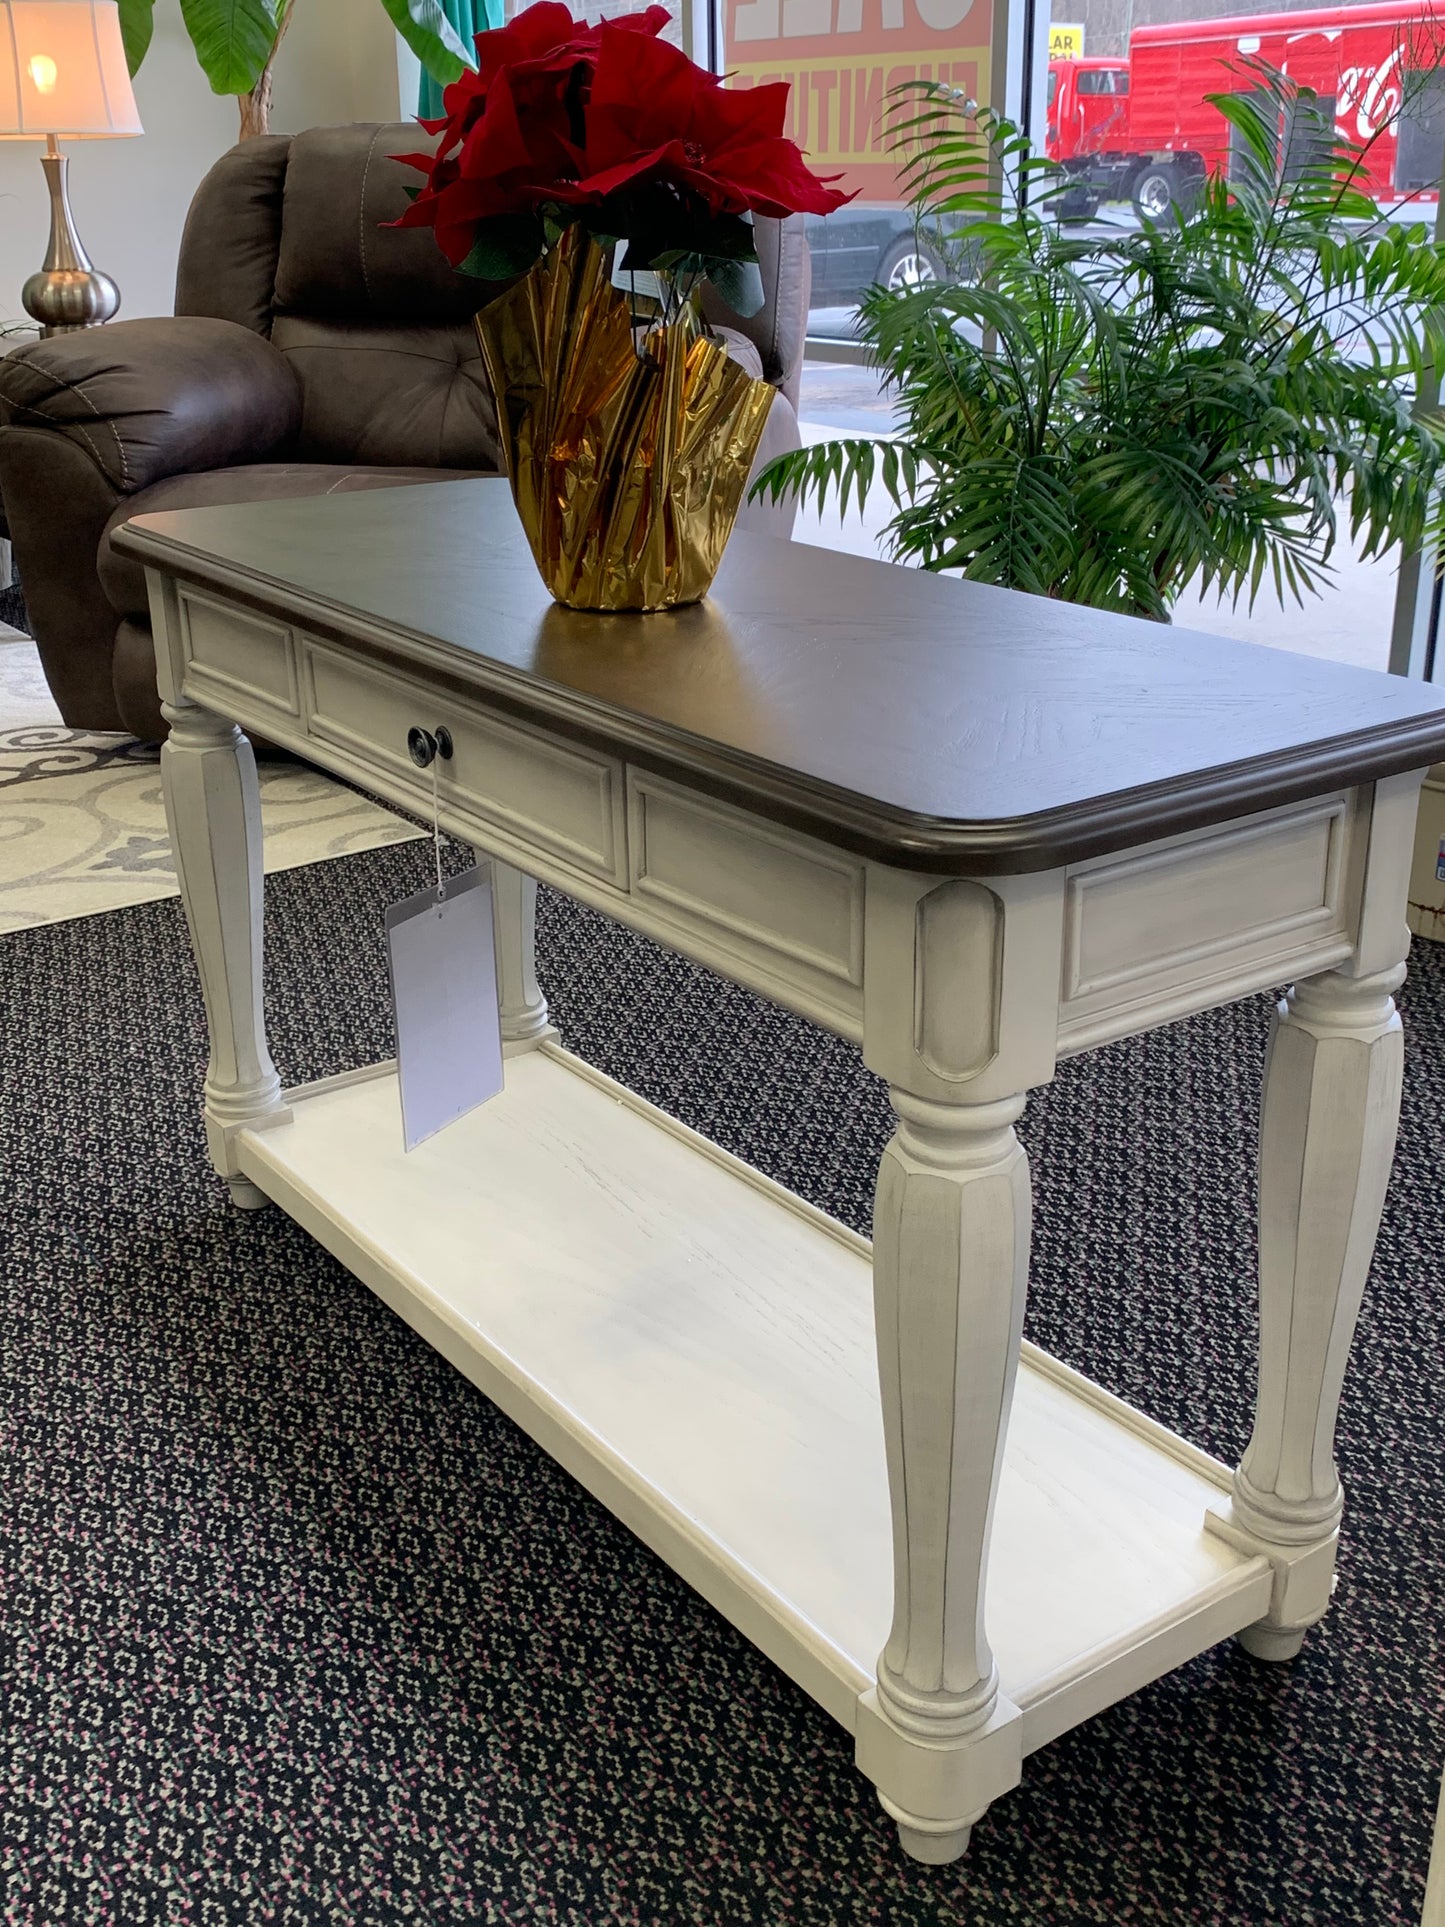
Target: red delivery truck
(1143, 129)
(1088, 111)
(843, 58)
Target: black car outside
(863, 244)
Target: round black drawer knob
(425, 745)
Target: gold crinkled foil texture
(627, 465)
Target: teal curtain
(469, 17)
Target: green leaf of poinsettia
(740, 284)
(431, 37)
(726, 237)
(505, 247)
(599, 222)
(137, 18)
(233, 40)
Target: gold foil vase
(628, 458)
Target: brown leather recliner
(312, 350)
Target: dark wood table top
(914, 718)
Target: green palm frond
(1104, 418)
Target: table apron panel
(762, 905)
(553, 797)
(228, 652)
(1202, 919)
(1151, 935)
(732, 881)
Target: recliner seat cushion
(124, 580)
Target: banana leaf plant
(236, 42)
(1106, 414)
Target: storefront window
(1128, 117)
(1129, 80)
(844, 58)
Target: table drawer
(1222, 911)
(545, 796)
(228, 652)
(732, 885)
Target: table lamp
(63, 72)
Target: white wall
(338, 62)
(408, 79)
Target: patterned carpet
(25, 698)
(82, 820)
(13, 612)
(295, 1628)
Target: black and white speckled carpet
(295, 1628)
(12, 608)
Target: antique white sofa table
(974, 831)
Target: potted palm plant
(1104, 416)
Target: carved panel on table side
(1205, 918)
(957, 1036)
(228, 652)
(743, 887)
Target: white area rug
(82, 820)
(24, 693)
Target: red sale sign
(843, 57)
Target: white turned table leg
(213, 809)
(1327, 1138)
(514, 914)
(950, 1266)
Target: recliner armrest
(148, 399)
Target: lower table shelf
(696, 1346)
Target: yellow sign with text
(1065, 43)
(844, 61)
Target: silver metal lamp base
(67, 293)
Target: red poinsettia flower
(509, 161)
(513, 126)
(653, 115)
(541, 39)
(559, 114)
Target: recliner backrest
(287, 235)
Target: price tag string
(436, 829)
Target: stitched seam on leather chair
(361, 220)
(40, 414)
(368, 348)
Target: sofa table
(972, 830)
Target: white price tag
(444, 999)
(642, 283)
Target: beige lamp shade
(63, 71)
